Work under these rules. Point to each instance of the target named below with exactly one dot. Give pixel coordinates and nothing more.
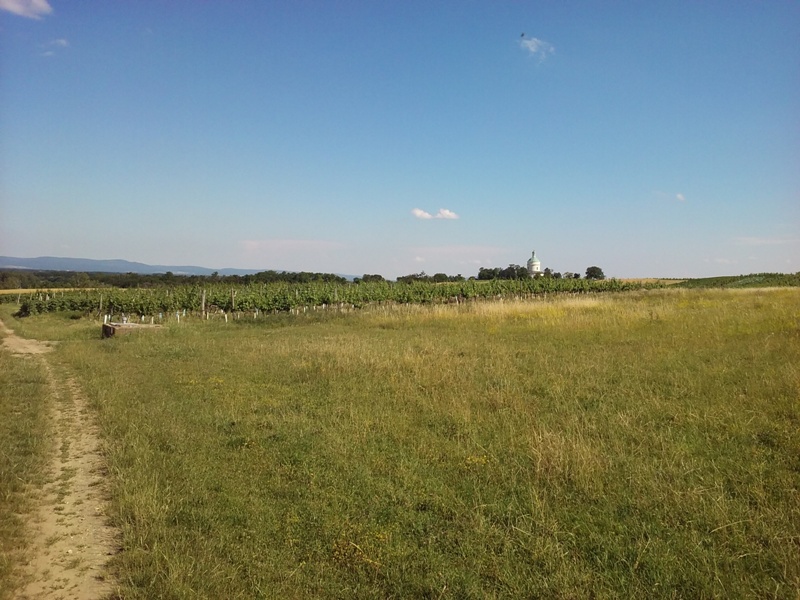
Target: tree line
(519, 272)
(24, 279)
(511, 272)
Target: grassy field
(656, 280)
(631, 445)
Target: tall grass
(619, 446)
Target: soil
(70, 538)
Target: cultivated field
(644, 444)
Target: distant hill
(88, 265)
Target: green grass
(637, 445)
(23, 447)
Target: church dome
(534, 265)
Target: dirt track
(70, 538)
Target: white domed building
(534, 266)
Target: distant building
(534, 266)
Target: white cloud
(538, 48)
(680, 197)
(442, 214)
(61, 43)
(32, 9)
(421, 214)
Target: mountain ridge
(117, 265)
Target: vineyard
(284, 297)
(754, 280)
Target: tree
(595, 273)
(9, 281)
(486, 274)
(80, 280)
(510, 272)
(421, 276)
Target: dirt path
(71, 541)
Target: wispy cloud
(669, 197)
(764, 241)
(52, 46)
(459, 254)
(442, 214)
(32, 9)
(289, 245)
(537, 48)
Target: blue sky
(648, 138)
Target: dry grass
(657, 280)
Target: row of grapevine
(287, 296)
